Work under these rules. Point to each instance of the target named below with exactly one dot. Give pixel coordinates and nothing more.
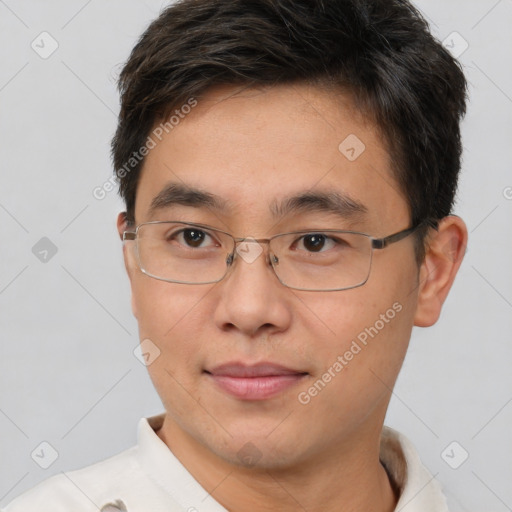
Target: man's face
(252, 150)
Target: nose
(251, 298)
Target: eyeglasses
(314, 260)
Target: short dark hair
(381, 51)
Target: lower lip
(256, 388)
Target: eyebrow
(186, 195)
(319, 201)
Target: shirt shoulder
(88, 489)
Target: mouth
(254, 382)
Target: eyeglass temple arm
(129, 235)
(380, 243)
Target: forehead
(256, 147)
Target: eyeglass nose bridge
(271, 258)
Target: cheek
(357, 320)
(161, 305)
(356, 367)
(368, 327)
(170, 315)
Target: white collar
(419, 491)
(162, 466)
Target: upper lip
(241, 370)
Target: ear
(444, 254)
(128, 254)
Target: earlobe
(444, 255)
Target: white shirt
(149, 478)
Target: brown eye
(193, 237)
(314, 242)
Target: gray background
(67, 370)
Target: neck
(349, 478)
